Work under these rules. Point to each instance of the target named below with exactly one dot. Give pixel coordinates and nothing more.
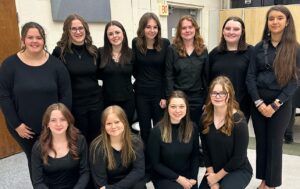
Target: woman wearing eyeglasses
(272, 81)
(76, 50)
(224, 137)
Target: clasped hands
(212, 180)
(185, 182)
(266, 110)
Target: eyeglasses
(221, 94)
(74, 29)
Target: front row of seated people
(60, 158)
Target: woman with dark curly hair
(60, 156)
(76, 50)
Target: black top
(261, 75)
(169, 160)
(227, 152)
(149, 70)
(63, 172)
(116, 79)
(189, 74)
(234, 65)
(26, 91)
(121, 177)
(83, 71)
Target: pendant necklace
(77, 53)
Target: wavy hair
(24, 32)
(126, 53)
(103, 142)
(65, 41)
(232, 104)
(242, 45)
(185, 125)
(46, 138)
(198, 40)
(285, 60)
(141, 42)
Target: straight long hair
(284, 64)
(185, 125)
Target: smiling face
(77, 32)
(188, 31)
(151, 29)
(33, 41)
(115, 35)
(114, 127)
(58, 124)
(232, 32)
(177, 109)
(277, 22)
(219, 96)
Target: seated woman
(173, 147)
(224, 136)
(116, 156)
(60, 157)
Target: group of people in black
(77, 134)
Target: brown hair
(232, 104)
(141, 42)
(198, 40)
(102, 142)
(285, 60)
(72, 133)
(65, 41)
(185, 126)
(242, 45)
(28, 26)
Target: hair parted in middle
(65, 41)
(103, 142)
(141, 42)
(232, 104)
(185, 125)
(46, 138)
(198, 40)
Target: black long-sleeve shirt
(189, 74)
(121, 177)
(227, 152)
(149, 70)
(234, 65)
(261, 75)
(169, 160)
(63, 172)
(26, 91)
(116, 77)
(86, 91)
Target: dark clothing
(87, 94)
(188, 74)
(233, 154)
(63, 172)
(149, 72)
(234, 65)
(26, 92)
(121, 177)
(262, 84)
(170, 160)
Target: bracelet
(274, 106)
(258, 103)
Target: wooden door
(10, 43)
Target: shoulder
(56, 51)
(136, 142)
(155, 131)
(10, 60)
(36, 147)
(134, 40)
(165, 42)
(239, 119)
(214, 51)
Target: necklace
(77, 53)
(116, 56)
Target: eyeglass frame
(75, 29)
(221, 94)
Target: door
(10, 43)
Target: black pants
(238, 179)
(88, 121)
(196, 104)
(147, 109)
(25, 144)
(289, 130)
(169, 184)
(269, 134)
(245, 105)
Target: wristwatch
(278, 102)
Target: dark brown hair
(72, 133)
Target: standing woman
(231, 58)
(187, 65)
(173, 147)
(117, 156)
(225, 137)
(76, 50)
(149, 51)
(30, 81)
(116, 69)
(60, 156)
(271, 81)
